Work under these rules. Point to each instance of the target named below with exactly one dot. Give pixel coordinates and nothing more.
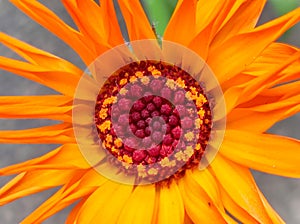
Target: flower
(258, 76)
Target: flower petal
(55, 107)
(60, 133)
(55, 25)
(136, 20)
(237, 52)
(60, 80)
(37, 56)
(242, 18)
(265, 152)
(79, 186)
(235, 209)
(65, 157)
(249, 90)
(262, 117)
(91, 19)
(239, 184)
(198, 205)
(32, 182)
(171, 208)
(105, 204)
(208, 184)
(139, 207)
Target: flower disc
(148, 113)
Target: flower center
(155, 116)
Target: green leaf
(159, 13)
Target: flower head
(140, 128)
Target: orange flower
(258, 76)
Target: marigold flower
(140, 143)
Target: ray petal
(55, 25)
(239, 184)
(57, 107)
(32, 182)
(67, 156)
(68, 194)
(243, 17)
(59, 80)
(92, 20)
(265, 152)
(60, 134)
(231, 57)
(171, 208)
(139, 207)
(198, 205)
(136, 20)
(110, 196)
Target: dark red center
(151, 112)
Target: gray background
(282, 193)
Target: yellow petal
(56, 107)
(198, 205)
(55, 25)
(208, 184)
(234, 209)
(171, 208)
(110, 197)
(139, 207)
(59, 80)
(136, 20)
(265, 152)
(60, 133)
(231, 57)
(239, 184)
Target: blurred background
(282, 193)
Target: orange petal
(178, 26)
(239, 184)
(37, 56)
(247, 91)
(234, 209)
(32, 182)
(242, 18)
(140, 206)
(198, 205)
(55, 25)
(57, 107)
(265, 152)
(171, 208)
(68, 194)
(209, 16)
(136, 20)
(105, 204)
(274, 54)
(60, 80)
(237, 52)
(60, 134)
(207, 183)
(262, 117)
(271, 212)
(91, 19)
(65, 157)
